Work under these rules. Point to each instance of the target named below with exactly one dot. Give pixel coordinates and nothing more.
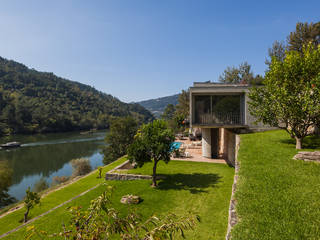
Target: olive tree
(152, 143)
(31, 199)
(290, 97)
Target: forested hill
(157, 106)
(33, 101)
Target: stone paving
(195, 153)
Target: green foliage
(120, 136)
(40, 185)
(30, 201)
(290, 98)
(169, 112)
(304, 34)
(5, 181)
(34, 102)
(103, 221)
(182, 108)
(80, 167)
(241, 74)
(152, 143)
(56, 180)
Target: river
(48, 155)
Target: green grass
(203, 188)
(277, 197)
(55, 198)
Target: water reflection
(48, 155)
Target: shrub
(40, 185)
(81, 166)
(59, 179)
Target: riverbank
(56, 197)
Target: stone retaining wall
(233, 219)
(123, 177)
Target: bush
(40, 185)
(81, 166)
(59, 179)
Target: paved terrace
(195, 152)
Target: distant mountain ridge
(35, 102)
(157, 105)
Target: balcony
(218, 110)
(219, 118)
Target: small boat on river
(10, 145)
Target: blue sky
(141, 49)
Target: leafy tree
(169, 112)
(304, 34)
(241, 74)
(31, 199)
(152, 143)
(182, 108)
(277, 50)
(290, 98)
(118, 139)
(103, 221)
(5, 181)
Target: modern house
(221, 111)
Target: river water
(48, 155)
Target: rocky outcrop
(130, 199)
(308, 156)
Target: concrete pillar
(215, 143)
(206, 142)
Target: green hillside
(157, 106)
(35, 102)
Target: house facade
(221, 111)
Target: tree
(305, 34)
(277, 50)
(168, 112)
(290, 98)
(182, 108)
(122, 131)
(152, 143)
(238, 75)
(5, 181)
(31, 199)
(104, 221)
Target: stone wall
(123, 177)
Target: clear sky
(141, 49)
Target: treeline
(37, 102)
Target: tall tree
(305, 33)
(241, 74)
(182, 108)
(152, 143)
(118, 139)
(277, 50)
(290, 98)
(168, 112)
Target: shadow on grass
(310, 142)
(195, 183)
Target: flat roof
(214, 87)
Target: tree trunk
(299, 143)
(26, 215)
(154, 174)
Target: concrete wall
(206, 142)
(230, 144)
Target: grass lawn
(277, 197)
(55, 198)
(203, 188)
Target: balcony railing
(220, 118)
